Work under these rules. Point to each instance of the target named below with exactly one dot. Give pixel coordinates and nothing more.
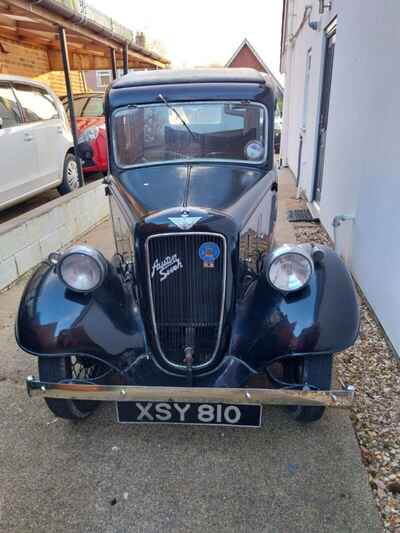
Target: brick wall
(246, 58)
(31, 61)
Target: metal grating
(300, 215)
(187, 303)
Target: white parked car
(36, 145)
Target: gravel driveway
(374, 370)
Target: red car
(91, 128)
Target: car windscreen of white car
(9, 112)
(36, 103)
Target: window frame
(8, 85)
(262, 162)
(98, 77)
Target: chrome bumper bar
(332, 398)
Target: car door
(19, 168)
(40, 110)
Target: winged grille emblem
(185, 221)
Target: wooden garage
(56, 40)
(30, 42)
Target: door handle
(28, 137)
(59, 129)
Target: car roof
(199, 75)
(21, 79)
(82, 95)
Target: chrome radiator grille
(186, 294)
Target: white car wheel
(70, 180)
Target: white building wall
(362, 164)
(362, 158)
(295, 62)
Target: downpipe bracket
(337, 222)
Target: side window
(9, 112)
(37, 104)
(94, 107)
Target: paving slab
(99, 476)
(284, 232)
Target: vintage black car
(199, 317)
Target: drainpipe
(80, 19)
(313, 25)
(336, 222)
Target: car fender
(323, 317)
(53, 320)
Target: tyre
(70, 181)
(315, 371)
(56, 369)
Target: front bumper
(332, 398)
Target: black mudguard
(323, 317)
(53, 320)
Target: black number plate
(214, 414)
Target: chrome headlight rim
(95, 255)
(286, 249)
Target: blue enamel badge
(209, 253)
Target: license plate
(213, 414)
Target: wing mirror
(85, 151)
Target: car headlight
(90, 134)
(290, 268)
(82, 269)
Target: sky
(203, 32)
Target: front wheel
(70, 180)
(315, 371)
(57, 369)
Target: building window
(103, 78)
(306, 89)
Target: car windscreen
(227, 131)
(94, 107)
(79, 104)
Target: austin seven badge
(209, 253)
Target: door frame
(329, 30)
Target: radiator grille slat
(187, 297)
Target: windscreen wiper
(172, 108)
